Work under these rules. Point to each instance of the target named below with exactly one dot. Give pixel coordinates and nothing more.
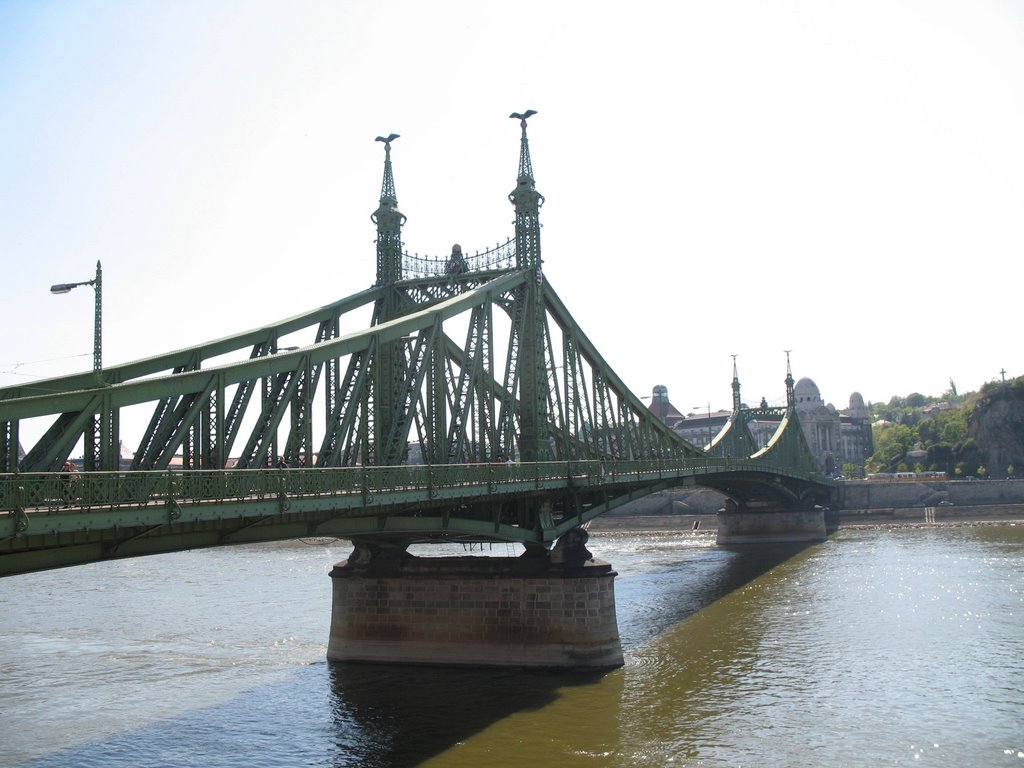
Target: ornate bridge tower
(380, 591)
(533, 389)
(790, 385)
(389, 221)
(388, 361)
(737, 401)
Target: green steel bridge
(454, 400)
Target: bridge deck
(49, 518)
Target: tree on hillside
(916, 400)
(968, 457)
(968, 435)
(945, 426)
(941, 457)
(891, 444)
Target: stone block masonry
(771, 526)
(476, 611)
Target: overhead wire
(11, 369)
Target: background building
(835, 437)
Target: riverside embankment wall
(873, 494)
(858, 502)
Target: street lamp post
(97, 338)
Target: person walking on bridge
(68, 480)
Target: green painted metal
(383, 403)
(528, 320)
(468, 361)
(46, 518)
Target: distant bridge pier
(540, 610)
(754, 523)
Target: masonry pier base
(475, 611)
(768, 526)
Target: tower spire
(790, 389)
(736, 403)
(529, 310)
(527, 201)
(525, 166)
(388, 364)
(389, 222)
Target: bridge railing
(501, 256)
(52, 491)
(55, 491)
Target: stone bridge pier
(757, 523)
(543, 609)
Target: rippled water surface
(876, 648)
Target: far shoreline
(915, 517)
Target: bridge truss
(444, 363)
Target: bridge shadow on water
(394, 716)
(406, 715)
(653, 600)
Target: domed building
(835, 437)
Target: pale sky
(843, 180)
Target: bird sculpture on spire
(521, 117)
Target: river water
(876, 648)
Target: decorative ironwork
(500, 258)
(438, 419)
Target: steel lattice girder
(182, 398)
(450, 392)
